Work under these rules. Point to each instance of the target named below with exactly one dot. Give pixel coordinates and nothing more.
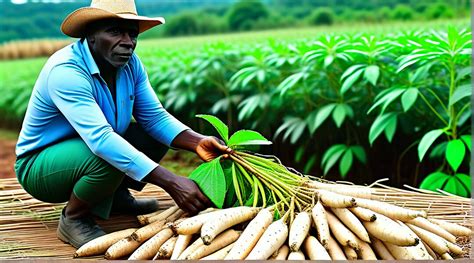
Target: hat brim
(75, 24)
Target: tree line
(42, 20)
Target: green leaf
(247, 137)
(346, 163)
(289, 82)
(332, 159)
(426, 142)
(328, 60)
(391, 128)
(210, 179)
(297, 131)
(299, 153)
(467, 140)
(221, 128)
(387, 99)
(351, 70)
(434, 181)
(408, 98)
(465, 181)
(339, 114)
(323, 114)
(438, 150)
(380, 124)
(309, 164)
(372, 73)
(460, 93)
(351, 80)
(359, 153)
(331, 151)
(453, 186)
(455, 153)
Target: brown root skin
(101, 244)
(226, 219)
(331, 199)
(429, 226)
(222, 240)
(388, 230)
(452, 228)
(146, 232)
(299, 230)
(123, 247)
(272, 239)
(381, 250)
(250, 235)
(318, 213)
(350, 253)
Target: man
(77, 142)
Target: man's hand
(184, 191)
(209, 148)
(206, 147)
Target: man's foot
(79, 231)
(125, 203)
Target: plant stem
(438, 99)
(432, 109)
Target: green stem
(452, 110)
(432, 109)
(438, 99)
(461, 111)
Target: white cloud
(19, 2)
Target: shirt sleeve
(73, 96)
(149, 112)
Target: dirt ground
(7, 157)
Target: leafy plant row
(369, 86)
(342, 92)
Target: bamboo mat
(28, 226)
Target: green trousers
(52, 174)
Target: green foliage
(458, 184)
(243, 14)
(184, 24)
(439, 10)
(403, 12)
(322, 16)
(331, 89)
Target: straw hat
(76, 22)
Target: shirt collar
(88, 59)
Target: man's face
(113, 40)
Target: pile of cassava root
(340, 223)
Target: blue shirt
(71, 98)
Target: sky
(35, 1)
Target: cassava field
(355, 102)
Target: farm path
(7, 158)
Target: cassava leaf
(247, 137)
(221, 128)
(210, 179)
(426, 142)
(455, 152)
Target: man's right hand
(184, 191)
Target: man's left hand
(209, 148)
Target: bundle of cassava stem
(333, 226)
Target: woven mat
(28, 226)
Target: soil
(7, 158)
